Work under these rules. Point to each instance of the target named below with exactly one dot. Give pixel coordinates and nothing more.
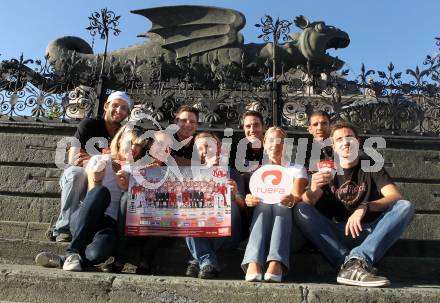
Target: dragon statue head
(316, 38)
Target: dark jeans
(138, 251)
(94, 234)
(204, 250)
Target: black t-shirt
(326, 153)
(346, 192)
(185, 151)
(89, 128)
(252, 154)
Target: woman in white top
(94, 224)
(269, 239)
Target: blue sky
(401, 31)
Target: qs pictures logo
(270, 183)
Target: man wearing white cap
(73, 182)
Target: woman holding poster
(275, 189)
(204, 250)
(94, 224)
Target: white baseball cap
(121, 96)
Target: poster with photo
(179, 202)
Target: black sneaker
(115, 267)
(357, 272)
(49, 232)
(192, 270)
(208, 272)
(143, 269)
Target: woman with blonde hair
(269, 240)
(94, 224)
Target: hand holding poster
(197, 204)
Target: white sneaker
(48, 259)
(73, 263)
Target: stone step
(171, 259)
(42, 209)
(28, 148)
(425, 196)
(305, 266)
(34, 284)
(22, 185)
(28, 209)
(24, 251)
(23, 230)
(30, 180)
(412, 164)
(423, 227)
(39, 149)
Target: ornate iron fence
(375, 101)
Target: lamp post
(273, 31)
(102, 23)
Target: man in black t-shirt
(355, 217)
(73, 182)
(250, 148)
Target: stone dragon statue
(205, 35)
(210, 33)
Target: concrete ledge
(305, 266)
(33, 284)
(424, 227)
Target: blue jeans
(73, 184)
(94, 234)
(297, 239)
(204, 250)
(373, 242)
(269, 239)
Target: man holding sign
(353, 217)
